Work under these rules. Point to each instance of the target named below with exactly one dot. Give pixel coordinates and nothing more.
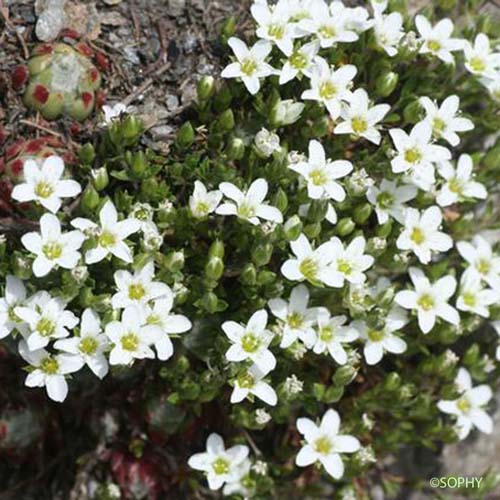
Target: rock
(162, 132)
(172, 102)
(51, 19)
(176, 7)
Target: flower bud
(223, 99)
(344, 375)
(174, 261)
(312, 230)
(261, 254)
(205, 87)
(235, 149)
(384, 230)
(386, 83)
(249, 275)
(392, 381)
(267, 143)
(214, 268)
(90, 198)
(86, 153)
(100, 177)
(413, 112)
(293, 228)
(280, 200)
(210, 302)
(285, 112)
(185, 135)
(317, 210)
(362, 213)
(138, 163)
(226, 120)
(345, 226)
(216, 249)
(228, 27)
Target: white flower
(330, 86)
(111, 113)
(468, 408)
(219, 465)
(49, 370)
(360, 119)
(47, 319)
(160, 318)
(329, 27)
(273, 24)
(138, 288)
(473, 297)
(242, 483)
(248, 205)
(479, 59)
(300, 62)
(293, 385)
(203, 202)
(90, 345)
(261, 416)
(308, 264)
(493, 87)
(251, 382)
(51, 247)
(152, 239)
(430, 300)
(417, 155)
(251, 341)
(356, 17)
(360, 181)
(444, 120)
(388, 31)
(389, 200)
(286, 112)
(110, 235)
(348, 263)
(436, 40)
(380, 340)
(421, 233)
(321, 173)
(332, 333)
(131, 339)
(44, 184)
(267, 142)
(250, 65)
(324, 444)
(298, 319)
(482, 260)
(15, 295)
(459, 184)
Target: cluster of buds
(60, 80)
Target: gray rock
(176, 7)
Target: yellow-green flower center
(246, 381)
(385, 200)
(344, 266)
(413, 155)
(136, 291)
(327, 31)
(130, 342)
(376, 335)
(359, 125)
(220, 466)
(52, 250)
(248, 67)
(250, 342)
(298, 60)
(202, 207)
(154, 319)
(464, 405)
(455, 186)
(426, 302)
(326, 333)
(45, 327)
(477, 64)
(434, 45)
(417, 236)
(50, 366)
(483, 266)
(295, 320)
(469, 299)
(88, 345)
(44, 189)
(246, 211)
(323, 445)
(276, 31)
(438, 126)
(309, 268)
(327, 90)
(318, 177)
(107, 239)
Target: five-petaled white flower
(47, 319)
(297, 319)
(251, 382)
(250, 65)
(48, 370)
(388, 30)
(444, 120)
(389, 200)
(459, 184)
(421, 233)
(51, 247)
(131, 338)
(381, 339)
(324, 444)
(203, 202)
(482, 260)
(112, 112)
(479, 58)
(110, 235)
(321, 173)
(300, 62)
(430, 300)
(332, 333)
(330, 86)
(43, 184)
(219, 465)
(160, 317)
(248, 205)
(14, 296)
(360, 119)
(469, 407)
(436, 40)
(89, 346)
(348, 263)
(473, 297)
(138, 288)
(251, 341)
(417, 155)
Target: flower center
(385, 200)
(327, 31)
(309, 269)
(417, 236)
(250, 342)
(326, 333)
(327, 90)
(220, 466)
(130, 342)
(455, 186)
(202, 207)
(323, 445)
(359, 125)
(276, 31)
(483, 266)
(154, 319)
(246, 211)
(426, 302)
(44, 189)
(248, 67)
(438, 126)
(295, 320)
(52, 250)
(107, 239)
(318, 177)
(298, 60)
(434, 45)
(344, 266)
(246, 381)
(376, 335)
(464, 405)
(45, 327)
(136, 291)
(13, 316)
(477, 64)
(50, 366)
(413, 155)
(469, 299)
(88, 345)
